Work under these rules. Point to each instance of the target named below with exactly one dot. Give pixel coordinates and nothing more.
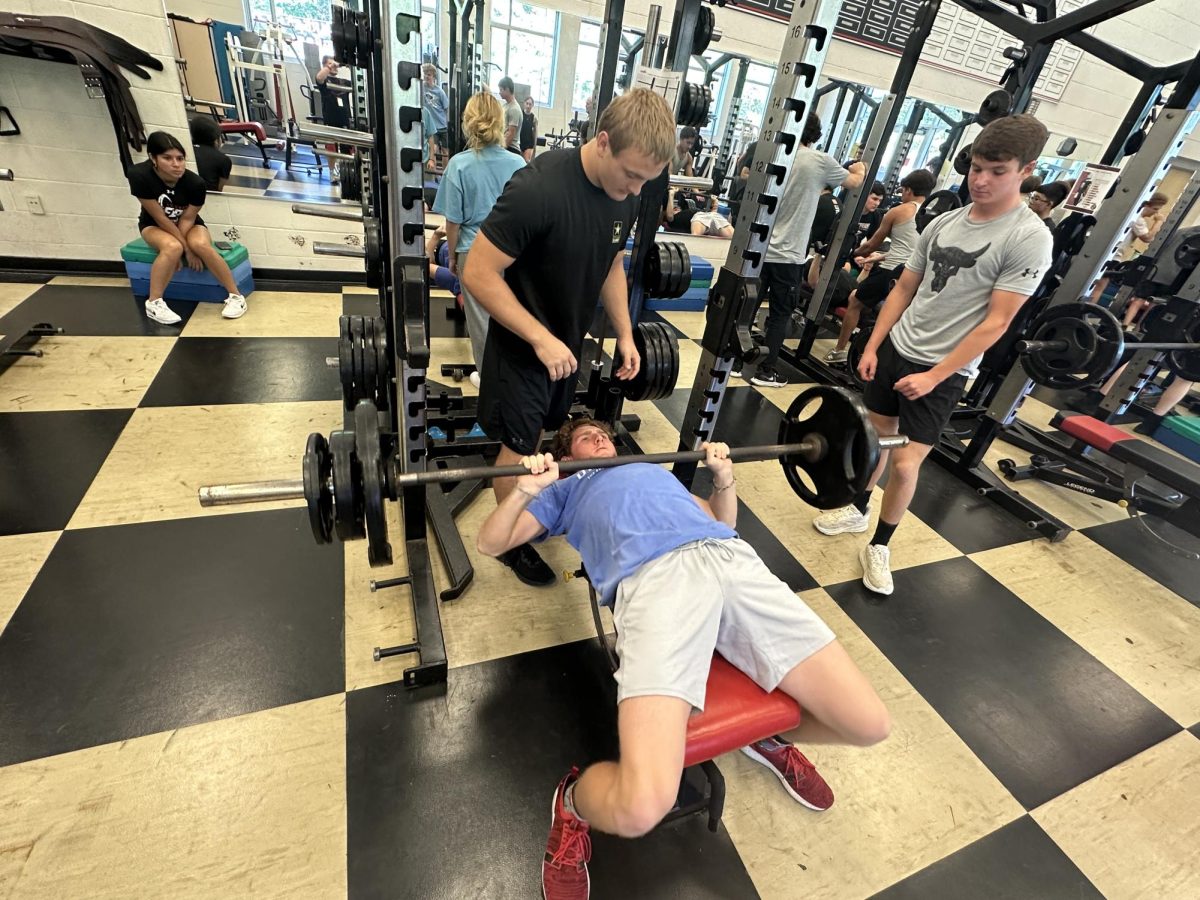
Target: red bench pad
(737, 712)
(245, 128)
(1091, 431)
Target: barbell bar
(293, 489)
(1055, 346)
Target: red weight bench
(252, 130)
(1175, 481)
(736, 712)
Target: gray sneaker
(847, 519)
(877, 571)
(833, 357)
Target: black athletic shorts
(873, 289)
(923, 419)
(517, 401)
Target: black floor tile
(747, 418)
(82, 310)
(202, 371)
(1041, 713)
(445, 318)
(1128, 540)
(970, 522)
(1015, 862)
(50, 460)
(1195, 729)
(136, 629)
(448, 790)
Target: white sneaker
(877, 573)
(843, 520)
(158, 310)
(837, 356)
(474, 379)
(235, 306)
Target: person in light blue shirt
(682, 585)
(434, 99)
(473, 181)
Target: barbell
(827, 448)
(1074, 345)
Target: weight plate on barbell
(685, 270)
(652, 271)
(370, 457)
(657, 353)
(317, 467)
(1095, 343)
(702, 37)
(845, 451)
(669, 358)
(346, 361)
(347, 495)
(1186, 363)
(670, 269)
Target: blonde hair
(483, 121)
(640, 119)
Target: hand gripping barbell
(827, 447)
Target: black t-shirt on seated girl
(145, 184)
(563, 233)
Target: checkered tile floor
(189, 707)
(304, 182)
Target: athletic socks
(569, 800)
(862, 501)
(883, 533)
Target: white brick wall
(67, 156)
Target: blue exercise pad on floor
(189, 285)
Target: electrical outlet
(34, 204)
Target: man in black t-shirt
(335, 94)
(552, 246)
(213, 165)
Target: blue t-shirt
(437, 103)
(427, 130)
(621, 518)
(443, 277)
(473, 181)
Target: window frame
(509, 28)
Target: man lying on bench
(681, 584)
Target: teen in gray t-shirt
(812, 172)
(964, 262)
(512, 119)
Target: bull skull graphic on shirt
(948, 260)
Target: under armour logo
(1029, 273)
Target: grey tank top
(904, 238)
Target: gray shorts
(709, 595)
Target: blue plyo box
(189, 285)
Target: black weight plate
(668, 361)
(374, 491)
(347, 495)
(670, 268)
(656, 354)
(685, 270)
(346, 361)
(652, 275)
(1096, 343)
(356, 344)
(317, 466)
(705, 22)
(1186, 363)
(846, 447)
(636, 387)
(672, 375)
(370, 376)
(937, 203)
(382, 364)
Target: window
(756, 94)
(430, 27)
(586, 61)
(307, 20)
(524, 44)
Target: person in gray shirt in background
(969, 274)
(783, 266)
(513, 116)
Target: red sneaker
(799, 777)
(564, 868)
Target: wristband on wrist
(725, 487)
(526, 493)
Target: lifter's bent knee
(905, 468)
(638, 811)
(170, 249)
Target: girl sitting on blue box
(171, 197)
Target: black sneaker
(528, 566)
(768, 378)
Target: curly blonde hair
(483, 121)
